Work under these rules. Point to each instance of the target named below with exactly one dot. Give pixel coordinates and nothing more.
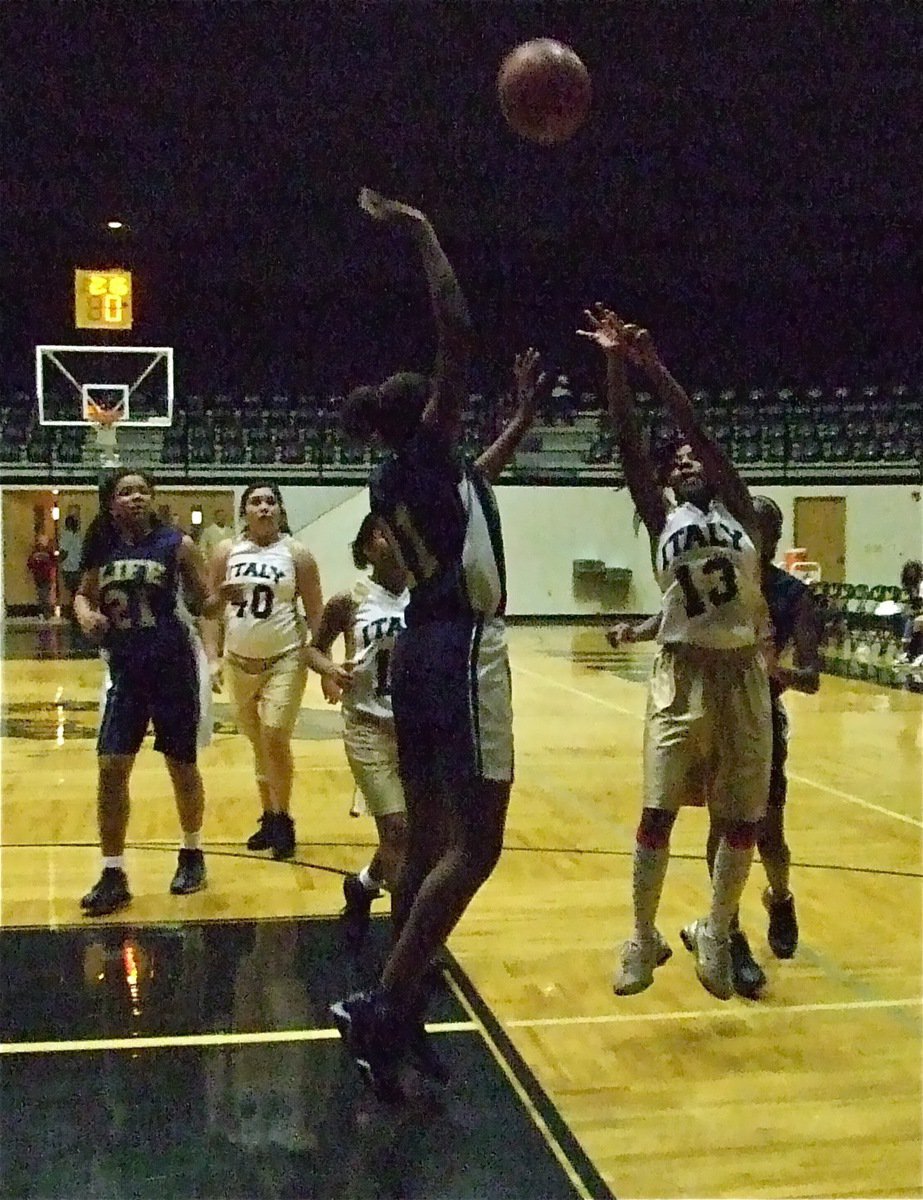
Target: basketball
(544, 91)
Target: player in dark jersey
(794, 628)
(127, 601)
(450, 681)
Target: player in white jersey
(369, 619)
(708, 713)
(794, 627)
(262, 575)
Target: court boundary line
(180, 1040)
(763, 1010)
(821, 787)
(562, 1141)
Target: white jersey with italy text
(709, 572)
(378, 619)
(267, 622)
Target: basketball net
(105, 421)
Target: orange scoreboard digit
(102, 299)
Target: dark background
(748, 183)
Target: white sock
(116, 860)
(192, 841)
(732, 867)
(648, 872)
(369, 882)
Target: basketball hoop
(105, 418)
(99, 415)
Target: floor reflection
(238, 1113)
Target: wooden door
(820, 527)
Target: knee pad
(654, 828)
(742, 835)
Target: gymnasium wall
(27, 511)
(546, 529)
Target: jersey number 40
(259, 603)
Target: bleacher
(858, 643)
(790, 433)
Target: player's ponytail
(360, 542)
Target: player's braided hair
(102, 532)
(360, 558)
(768, 505)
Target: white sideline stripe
(821, 787)
(762, 1010)
(566, 687)
(206, 1039)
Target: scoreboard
(102, 299)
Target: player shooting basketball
(708, 713)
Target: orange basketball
(544, 91)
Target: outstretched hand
(379, 208)
(618, 634)
(618, 338)
(335, 682)
(528, 377)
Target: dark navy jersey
(138, 590)
(443, 515)
(783, 594)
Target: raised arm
(449, 307)
(608, 332)
(527, 378)
(719, 469)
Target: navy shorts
(165, 696)
(450, 688)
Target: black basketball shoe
(108, 894)
(375, 1039)
(190, 873)
(262, 839)
(283, 836)
(749, 979)
(783, 924)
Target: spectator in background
(912, 601)
(70, 549)
(218, 531)
(41, 565)
(562, 400)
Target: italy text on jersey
(709, 572)
(378, 620)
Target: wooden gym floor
(814, 1090)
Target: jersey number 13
(716, 584)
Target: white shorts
(371, 751)
(708, 730)
(266, 692)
